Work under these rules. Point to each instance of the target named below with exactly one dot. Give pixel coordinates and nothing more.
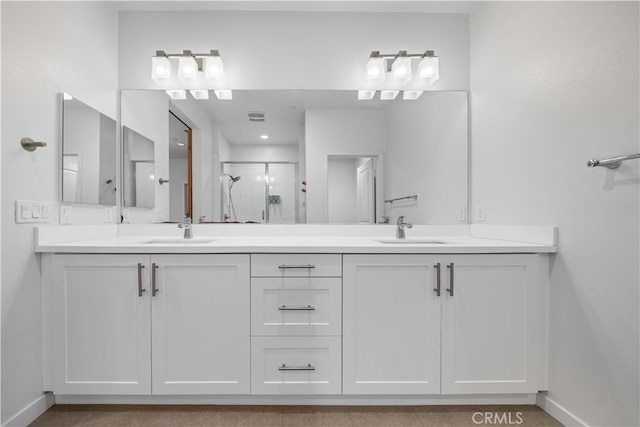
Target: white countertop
(166, 238)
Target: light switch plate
(65, 214)
(481, 213)
(29, 211)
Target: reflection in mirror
(88, 154)
(267, 193)
(138, 170)
(347, 157)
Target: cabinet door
(201, 332)
(391, 326)
(491, 338)
(101, 325)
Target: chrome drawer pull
(154, 285)
(296, 308)
(296, 368)
(437, 288)
(283, 266)
(450, 289)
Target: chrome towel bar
(612, 163)
(414, 197)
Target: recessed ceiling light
(180, 144)
(264, 136)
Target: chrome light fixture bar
(189, 64)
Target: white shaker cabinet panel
(391, 324)
(101, 324)
(201, 331)
(492, 334)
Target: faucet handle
(187, 219)
(400, 219)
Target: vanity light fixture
(402, 74)
(189, 65)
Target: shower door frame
(266, 187)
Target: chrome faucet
(186, 224)
(401, 226)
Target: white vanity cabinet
(159, 324)
(450, 324)
(296, 326)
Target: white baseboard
(32, 411)
(558, 412)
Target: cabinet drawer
(296, 265)
(296, 365)
(296, 306)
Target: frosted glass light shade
(429, 69)
(160, 69)
(366, 94)
(388, 95)
(411, 95)
(401, 69)
(199, 93)
(187, 68)
(177, 93)
(376, 69)
(223, 94)
(213, 67)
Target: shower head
(233, 178)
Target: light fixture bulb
(366, 94)
(213, 67)
(264, 136)
(376, 70)
(401, 69)
(388, 95)
(199, 93)
(160, 69)
(177, 93)
(223, 94)
(429, 69)
(187, 68)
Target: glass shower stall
(259, 192)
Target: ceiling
(284, 112)
(410, 6)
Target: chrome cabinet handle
(437, 288)
(296, 368)
(296, 308)
(154, 285)
(283, 266)
(140, 289)
(450, 290)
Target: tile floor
(304, 416)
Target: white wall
(337, 132)
(47, 48)
(553, 85)
(262, 153)
(292, 50)
(427, 143)
(342, 190)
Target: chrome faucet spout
(401, 226)
(186, 224)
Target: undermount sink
(178, 241)
(412, 241)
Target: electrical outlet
(108, 214)
(125, 216)
(65, 214)
(462, 214)
(481, 213)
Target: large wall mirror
(88, 154)
(306, 156)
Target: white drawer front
(296, 306)
(296, 265)
(296, 365)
